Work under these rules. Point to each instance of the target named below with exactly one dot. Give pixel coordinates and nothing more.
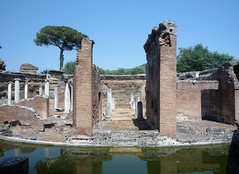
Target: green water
(196, 160)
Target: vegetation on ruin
(199, 58)
(65, 38)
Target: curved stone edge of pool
(169, 143)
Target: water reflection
(212, 159)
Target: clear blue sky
(118, 27)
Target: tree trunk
(61, 60)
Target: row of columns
(68, 96)
(16, 91)
(135, 104)
(68, 101)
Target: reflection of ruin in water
(101, 160)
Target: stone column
(47, 86)
(67, 99)
(9, 101)
(140, 111)
(26, 89)
(109, 100)
(17, 90)
(56, 98)
(132, 105)
(107, 112)
(113, 103)
(40, 90)
(72, 93)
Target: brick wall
(222, 105)
(25, 116)
(161, 49)
(189, 95)
(96, 94)
(83, 89)
(38, 103)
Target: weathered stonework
(38, 103)
(22, 115)
(28, 68)
(222, 105)
(96, 102)
(161, 48)
(83, 106)
(189, 95)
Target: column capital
(17, 79)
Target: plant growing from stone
(65, 38)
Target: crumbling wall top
(160, 35)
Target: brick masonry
(97, 97)
(38, 103)
(86, 90)
(161, 49)
(26, 117)
(222, 105)
(189, 97)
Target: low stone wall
(20, 115)
(38, 103)
(189, 97)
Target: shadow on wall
(222, 105)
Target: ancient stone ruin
(156, 102)
(28, 68)
(222, 104)
(86, 88)
(161, 49)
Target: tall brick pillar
(161, 48)
(83, 89)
